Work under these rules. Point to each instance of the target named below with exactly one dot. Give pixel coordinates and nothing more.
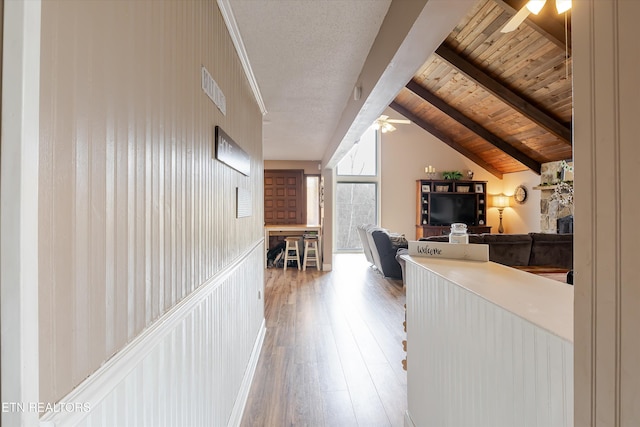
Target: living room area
(533, 214)
(413, 168)
(404, 162)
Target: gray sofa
(532, 249)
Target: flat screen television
(449, 208)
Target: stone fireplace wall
(551, 175)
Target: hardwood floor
(332, 351)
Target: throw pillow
(398, 240)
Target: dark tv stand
(440, 230)
(425, 189)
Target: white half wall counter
(487, 345)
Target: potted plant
(453, 175)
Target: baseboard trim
(243, 393)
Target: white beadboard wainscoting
(192, 367)
(487, 346)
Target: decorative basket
(463, 188)
(442, 188)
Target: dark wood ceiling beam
(516, 101)
(547, 23)
(445, 138)
(474, 127)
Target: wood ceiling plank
(431, 66)
(485, 33)
(546, 65)
(499, 44)
(447, 80)
(474, 26)
(483, 108)
(493, 30)
(508, 132)
(446, 84)
(515, 72)
(460, 26)
(473, 126)
(445, 138)
(460, 32)
(508, 96)
(456, 93)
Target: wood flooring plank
(392, 392)
(307, 405)
(332, 350)
(329, 365)
(338, 410)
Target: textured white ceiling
(306, 56)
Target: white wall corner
(19, 209)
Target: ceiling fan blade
(401, 121)
(517, 19)
(388, 127)
(383, 117)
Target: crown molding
(234, 32)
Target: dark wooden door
(283, 197)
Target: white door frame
(19, 212)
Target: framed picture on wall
(479, 188)
(426, 188)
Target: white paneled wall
(135, 212)
(193, 367)
(473, 363)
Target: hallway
(332, 352)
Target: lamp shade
(563, 5)
(535, 6)
(500, 201)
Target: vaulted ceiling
(502, 100)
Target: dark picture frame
(230, 153)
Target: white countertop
(542, 301)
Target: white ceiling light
(535, 6)
(563, 5)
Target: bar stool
(310, 244)
(291, 245)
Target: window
(356, 203)
(313, 199)
(361, 159)
(356, 196)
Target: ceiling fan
(384, 123)
(533, 6)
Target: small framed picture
(479, 188)
(426, 188)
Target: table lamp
(500, 201)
